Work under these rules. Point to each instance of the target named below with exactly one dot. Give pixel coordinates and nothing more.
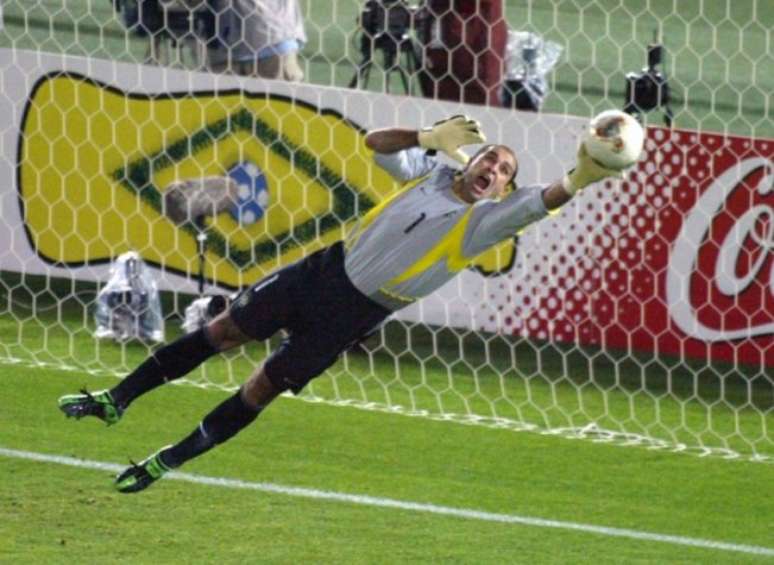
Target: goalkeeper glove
(587, 171)
(450, 134)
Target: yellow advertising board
(94, 162)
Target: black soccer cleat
(142, 475)
(99, 404)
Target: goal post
(639, 314)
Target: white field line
(402, 505)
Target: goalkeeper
(401, 250)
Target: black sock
(218, 426)
(165, 364)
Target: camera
(169, 23)
(128, 306)
(649, 90)
(386, 25)
(390, 17)
(175, 18)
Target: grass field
(59, 513)
(53, 511)
(718, 52)
(318, 482)
(380, 487)
(492, 379)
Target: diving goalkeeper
(401, 250)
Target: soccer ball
(614, 139)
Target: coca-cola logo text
(721, 267)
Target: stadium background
(717, 62)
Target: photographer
(258, 38)
(167, 24)
(385, 25)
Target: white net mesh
(641, 313)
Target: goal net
(641, 313)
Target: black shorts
(317, 304)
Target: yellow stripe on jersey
(375, 212)
(449, 247)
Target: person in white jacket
(258, 38)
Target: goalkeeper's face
(488, 173)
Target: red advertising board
(677, 260)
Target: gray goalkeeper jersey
(412, 243)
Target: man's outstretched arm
(447, 135)
(392, 140)
(555, 195)
(530, 203)
(586, 172)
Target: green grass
(493, 379)
(718, 51)
(53, 513)
(717, 57)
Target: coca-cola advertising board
(677, 259)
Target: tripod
(393, 50)
(201, 251)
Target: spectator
(258, 38)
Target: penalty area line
(378, 502)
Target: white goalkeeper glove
(587, 171)
(450, 134)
